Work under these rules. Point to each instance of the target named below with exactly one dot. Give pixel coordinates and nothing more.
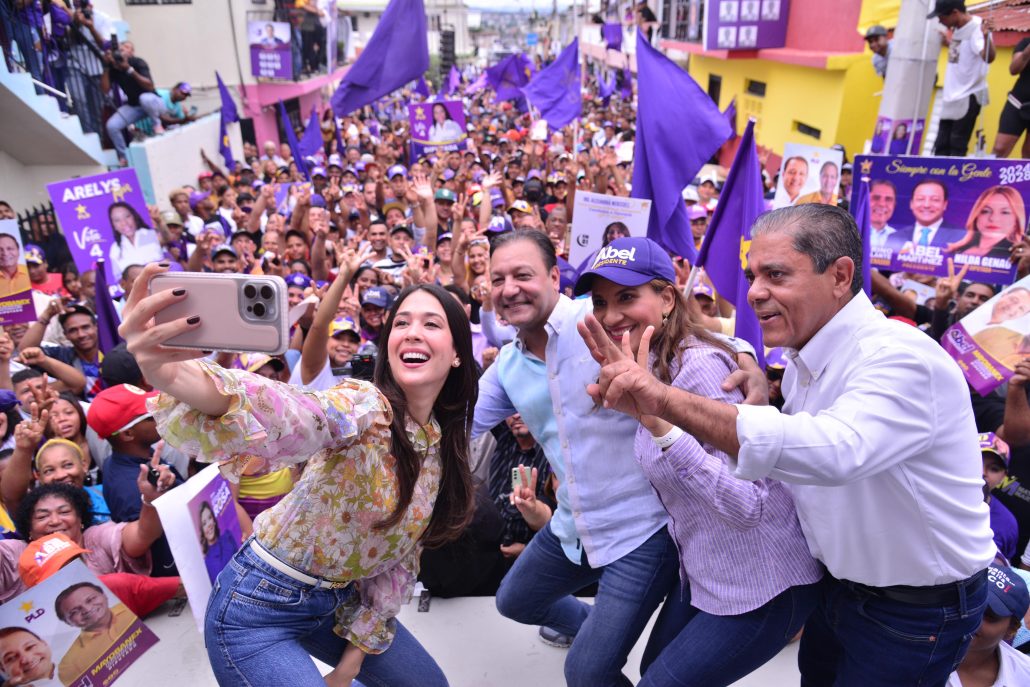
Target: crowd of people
(462, 407)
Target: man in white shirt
(970, 50)
(991, 660)
(878, 442)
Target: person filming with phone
(386, 474)
(131, 74)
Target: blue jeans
(150, 105)
(854, 638)
(538, 591)
(691, 647)
(262, 627)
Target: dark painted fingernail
(178, 292)
(207, 352)
(193, 320)
(164, 264)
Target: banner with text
(271, 56)
(69, 630)
(989, 342)
(436, 126)
(599, 219)
(925, 210)
(105, 217)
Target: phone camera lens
(249, 291)
(266, 292)
(259, 310)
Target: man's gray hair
(822, 232)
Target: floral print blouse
(324, 526)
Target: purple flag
(730, 113)
(291, 140)
(107, 316)
(626, 92)
(613, 35)
(555, 91)
(229, 112)
(223, 144)
(422, 88)
(669, 152)
(453, 80)
(508, 76)
(311, 142)
(728, 238)
(396, 54)
(861, 212)
(606, 88)
(479, 84)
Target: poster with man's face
(70, 631)
(270, 53)
(808, 174)
(745, 24)
(925, 211)
(15, 285)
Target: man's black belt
(948, 594)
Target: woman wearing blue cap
(735, 613)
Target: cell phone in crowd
(152, 476)
(193, 111)
(238, 312)
(516, 479)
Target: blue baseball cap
(375, 295)
(298, 279)
(499, 224)
(34, 254)
(1007, 595)
(628, 261)
(775, 358)
(397, 170)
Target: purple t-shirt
(1006, 530)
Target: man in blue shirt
(610, 527)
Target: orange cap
(45, 556)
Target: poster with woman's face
(213, 512)
(436, 126)
(971, 212)
(70, 630)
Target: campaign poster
(15, 288)
(925, 210)
(808, 175)
(599, 219)
(989, 342)
(270, 54)
(203, 531)
(892, 136)
(436, 126)
(105, 217)
(71, 631)
(745, 24)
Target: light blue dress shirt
(606, 506)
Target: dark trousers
(953, 134)
(857, 638)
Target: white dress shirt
(878, 442)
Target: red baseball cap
(118, 408)
(45, 556)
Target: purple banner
(123, 652)
(271, 56)
(105, 217)
(925, 211)
(892, 136)
(15, 287)
(989, 342)
(213, 511)
(745, 24)
(436, 126)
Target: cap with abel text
(45, 556)
(118, 408)
(628, 261)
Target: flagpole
(695, 271)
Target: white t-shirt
(323, 381)
(1013, 671)
(966, 74)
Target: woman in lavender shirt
(747, 580)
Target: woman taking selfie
(386, 474)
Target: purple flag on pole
(668, 153)
(613, 35)
(861, 212)
(626, 92)
(731, 117)
(291, 140)
(606, 88)
(396, 54)
(311, 142)
(555, 91)
(422, 88)
(728, 238)
(508, 76)
(479, 84)
(107, 316)
(453, 80)
(229, 112)
(223, 144)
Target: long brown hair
(671, 339)
(453, 412)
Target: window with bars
(158, 2)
